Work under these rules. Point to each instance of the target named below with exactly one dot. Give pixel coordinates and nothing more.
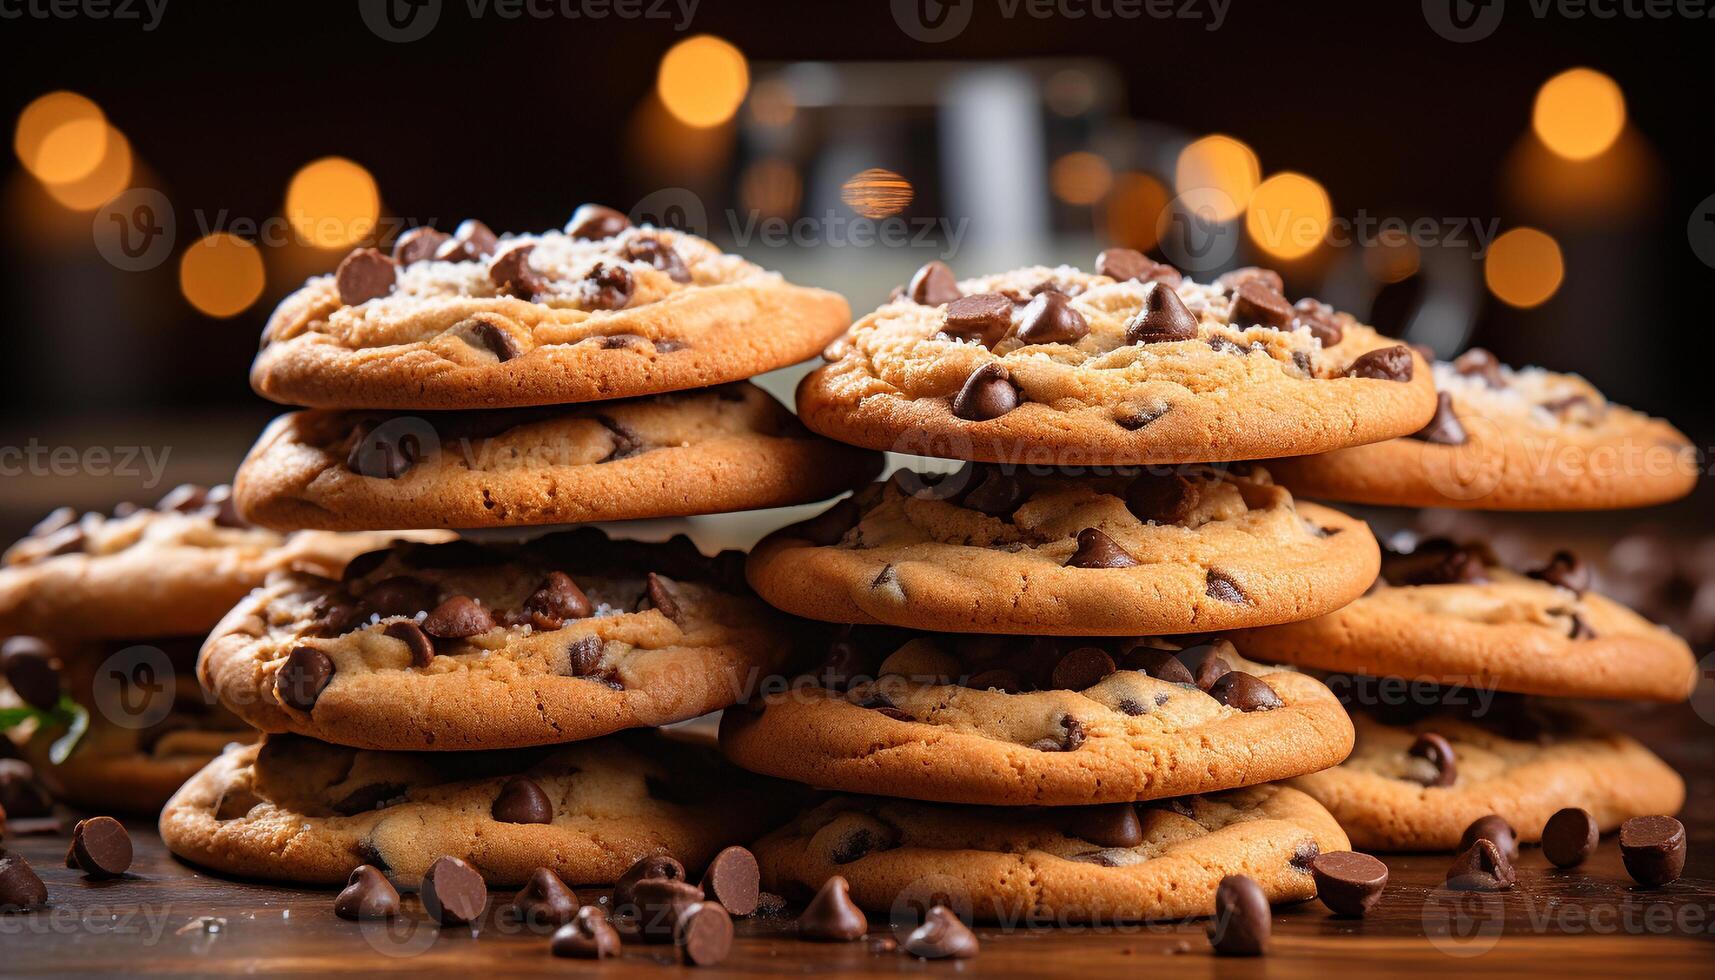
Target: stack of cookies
(458, 711)
(1027, 708)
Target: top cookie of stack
(405, 359)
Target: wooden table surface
(171, 918)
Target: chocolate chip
(583, 655)
(1246, 692)
(1438, 752)
(987, 394)
(1482, 364)
(556, 600)
(1653, 849)
(1162, 498)
(1459, 566)
(658, 255)
(1347, 882)
(1566, 570)
(417, 245)
(457, 618)
(1082, 668)
(1493, 827)
(984, 317)
(703, 934)
(1318, 318)
(100, 848)
(941, 936)
(832, 916)
(1210, 669)
(543, 901)
(997, 495)
(1126, 263)
(999, 679)
(1444, 429)
(933, 285)
(302, 677)
(658, 592)
(21, 795)
(32, 668)
(521, 800)
(1304, 854)
(511, 273)
(1159, 664)
(365, 274)
(336, 614)
(1569, 837)
(1132, 419)
(594, 221)
(471, 240)
(1481, 867)
(857, 843)
(383, 452)
(20, 888)
(370, 797)
(415, 640)
(1581, 630)
(606, 287)
(1072, 736)
(453, 892)
(1242, 923)
(1097, 550)
(653, 866)
(1386, 364)
(491, 335)
(733, 880)
(367, 895)
(1162, 319)
(1255, 304)
(1051, 319)
(1250, 273)
(657, 904)
(399, 595)
(1220, 586)
(589, 936)
(1107, 825)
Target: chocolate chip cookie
(1509, 439)
(1045, 866)
(600, 310)
(294, 809)
(698, 452)
(1048, 721)
(1417, 786)
(1452, 614)
(1130, 364)
(167, 570)
(467, 646)
(992, 550)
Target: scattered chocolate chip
(1482, 867)
(364, 275)
(1481, 363)
(1386, 364)
(1160, 664)
(470, 241)
(583, 655)
(370, 797)
(457, 618)
(659, 256)
(415, 640)
(490, 334)
(511, 273)
(100, 848)
(1566, 570)
(658, 590)
(1444, 429)
(1242, 923)
(606, 287)
(653, 866)
(1220, 586)
(1348, 882)
(589, 936)
(453, 892)
(556, 600)
(418, 244)
(984, 317)
(1653, 849)
(832, 916)
(21, 795)
(522, 800)
(367, 895)
(1438, 752)
(933, 285)
(657, 905)
(1097, 550)
(703, 933)
(399, 595)
(1105, 825)
(543, 901)
(1162, 319)
(32, 668)
(941, 936)
(1255, 304)
(1318, 318)
(1493, 827)
(1569, 837)
(1251, 273)
(302, 677)
(20, 888)
(733, 880)
(1246, 692)
(1126, 263)
(1051, 319)
(1162, 498)
(594, 221)
(987, 394)
(1082, 668)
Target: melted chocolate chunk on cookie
(1097, 550)
(1462, 565)
(1133, 418)
(1320, 319)
(1162, 319)
(488, 331)
(363, 275)
(1105, 825)
(1246, 692)
(1051, 319)
(556, 600)
(511, 273)
(994, 492)
(1070, 738)
(1479, 363)
(522, 800)
(866, 838)
(1162, 665)
(606, 286)
(985, 318)
(659, 256)
(458, 617)
(583, 655)
(1125, 263)
(1166, 498)
(1221, 586)
(422, 648)
(1444, 429)
(591, 222)
(418, 245)
(1255, 304)
(658, 595)
(1384, 364)
(1434, 749)
(987, 394)
(933, 285)
(382, 452)
(302, 678)
(471, 240)
(399, 595)
(1565, 570)
(366, 798)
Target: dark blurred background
(1371, 151)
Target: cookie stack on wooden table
(449, 714)
(1025, 711)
